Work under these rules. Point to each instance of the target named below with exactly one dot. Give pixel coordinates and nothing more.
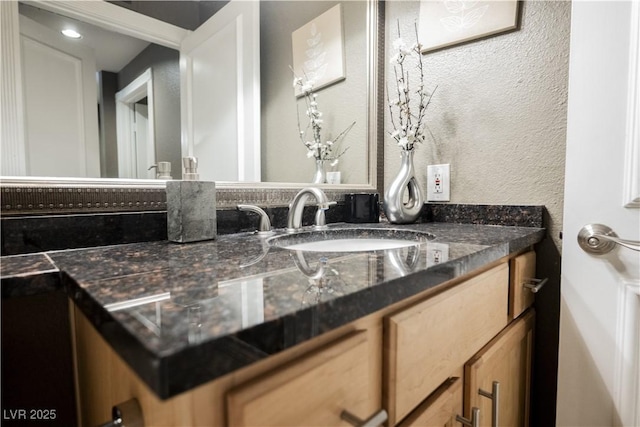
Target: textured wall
(499, 112)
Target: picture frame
(446, 23)
(318, 50)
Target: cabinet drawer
(523, 268)
(312, 390)
(440, 409)
(427, 342)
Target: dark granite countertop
(184, 314)
(24, 275)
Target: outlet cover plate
(437, 253)
(438, 183)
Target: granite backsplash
(32, 234)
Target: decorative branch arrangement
(316, 147)
(408, 125)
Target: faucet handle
(321, 222)
(326, 205)
(265, 223)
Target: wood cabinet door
(507, 361)
(428, 342)
(440, 409)
(312, 390)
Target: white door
(598, 373)
(145, 156)
(135, 124)
(220, 94)
(61, 105)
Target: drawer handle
(495, 401)
(374, 420)
(534, 285)
(473, 422)
(127, 414)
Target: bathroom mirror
(365, 79)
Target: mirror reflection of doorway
(141, 138)
(135, 128)
(61, 127)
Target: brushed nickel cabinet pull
(473, 422)
(534, 285)
(126, 414)
(495, 401)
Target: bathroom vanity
(238, 332)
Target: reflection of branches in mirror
(321, 150)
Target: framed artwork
(445, 23)
(318, 49)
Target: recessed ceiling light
(72, 34)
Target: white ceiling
(112, 50)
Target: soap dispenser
(191, 206)
(163, 170)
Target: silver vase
(320, 176)
(397, 210)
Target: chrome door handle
(495, 402)
(473, 422)
(374, 420)
(599, 239)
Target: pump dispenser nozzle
(190, 169)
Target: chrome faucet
(265, 223)
(294, 220)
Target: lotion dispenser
(191, 206)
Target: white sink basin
(350, 240)
(350, 245)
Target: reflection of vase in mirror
(356, 50)
(320, 177)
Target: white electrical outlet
(438, 180)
